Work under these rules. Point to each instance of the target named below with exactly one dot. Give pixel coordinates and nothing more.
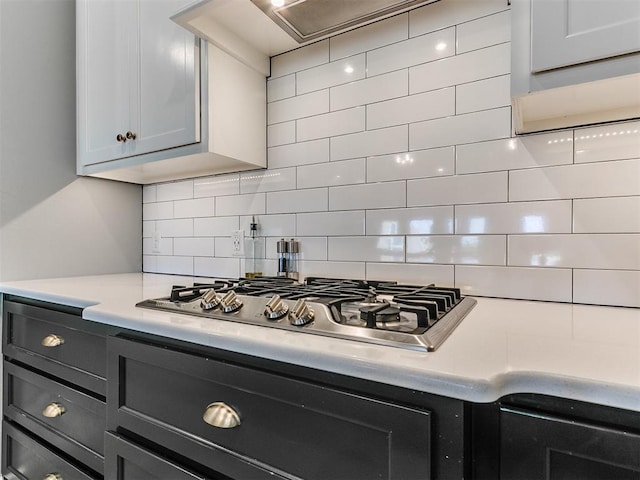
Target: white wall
(391, 156)
(53, 223)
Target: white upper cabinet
(574, 62)
(145, 93)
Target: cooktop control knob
(209, 300)
(230, 303)
(300, 314)
(275, 308)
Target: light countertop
(580, 352)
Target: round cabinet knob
(131, 135)
(121, 138)
(230, 303)
(54, 410)
(52, 476)
(221, 415)
(209, 300)
(275, 308)
(300, 314)
(52, 340)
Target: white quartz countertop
(580, 352)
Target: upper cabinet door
(137, 79)
(106, 77)
(569, 32)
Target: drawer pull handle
(52, 476)
(221, 415)
(52, 340)
(53, 410)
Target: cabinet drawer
(80, 356)
(24, 458)
(294, 428)
(70, 420)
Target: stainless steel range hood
(254, 30)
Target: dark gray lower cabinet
(539, 446)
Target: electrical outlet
(237, 243)
(156, 242)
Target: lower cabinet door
(127, 461)
(539, 447)
(24, 458)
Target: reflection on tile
(410, 221)
(434, 162)
(479, 188)
(521, 217)
(607, 287)
(607, 215)
(410, 109)
(366, 249)
(216, 186)
(552, 284)
(407, 273)
(449, 249)
(335, 73)
(610, 142)
(515, 153)
(615, 252)
(346, 172)
(371, 195)
(330, 223)
(268, 180)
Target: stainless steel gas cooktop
(418, 317)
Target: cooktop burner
(410, 316)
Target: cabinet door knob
(52, 340)
(221, 415)
(52, 476)
(121, 138)
(131, 135)
(53, 410)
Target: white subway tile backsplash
(607, 287)
(330, 223)
(199, 207)
(467, 67)
(331, 124)
(280, 88)
(598, 251)
(414, 51)
(417, 164)
(515, 153)
(370, 90)
(215, 226)
(292, 201)
(408, 171)
(250, 204)
(298, 107)
(194, 247)
(459, 129)
(366, 249)
(520, 217)
(335, 73)
(344, 172)
(446, 13)
(301, 153)
(174, 191)
(551, 284)
(216, 186)
(483, 94)
(409, 109)
(374, 142)
(484, 32)
(369, 37)
(607, 215)
(267, 180)
(459, 189)
(457, 249)
(300, 59)
(371, 195)
(615, 178)
(410, 221)
(281, 134)
(407, 273)
(609, 142)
